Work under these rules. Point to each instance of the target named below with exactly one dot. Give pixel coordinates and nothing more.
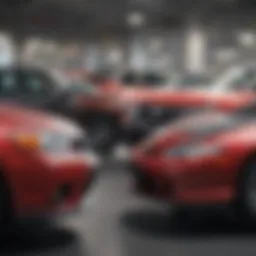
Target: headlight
(191, 151)
(48, 141)
(57, 142)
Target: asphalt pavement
(114, 221)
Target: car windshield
(189, 81)
(239, 78)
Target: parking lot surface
(116, 222)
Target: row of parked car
(196, 145)
(142, 102)
(190, 144)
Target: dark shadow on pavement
(160, 224)
(37, 236)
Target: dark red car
(208, 158)
(46, 163)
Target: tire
(179, 217)
(6, 211)
(245, 203)
(184, 218)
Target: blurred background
(196, 36)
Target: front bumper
(204, 181)
(49, 186)
(149, 185)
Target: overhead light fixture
(196, 49)
(136, 19)
(247, 39)
(7, 50)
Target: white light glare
(136, 19)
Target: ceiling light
(136, 19)
(246, 39)
(196, 47)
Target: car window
(235, 79)
(153, 79)
(9, 84)
(244, 82)
(130, 78)
(36, 83)
(193, 80)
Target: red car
(156, 107)
(46, 165)
(100, 114)
(209, 158)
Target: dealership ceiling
(78, 18)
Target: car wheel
(178, 215)
(6, 213)
(245, 205)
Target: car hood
(204, 125)
(14, 117)
(206, 122)
(184, 98)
